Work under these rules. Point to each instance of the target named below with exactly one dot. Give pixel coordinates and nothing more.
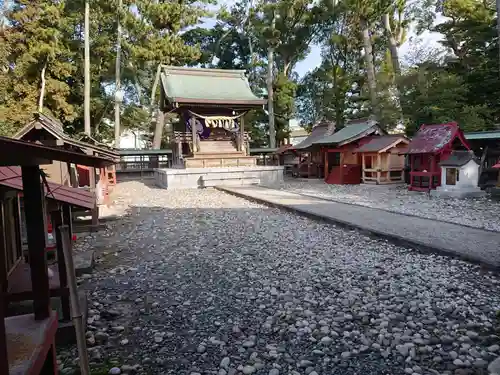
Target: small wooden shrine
(381, 159)
(27, 342)
(342, 164)
(310, 157)
(48, 131)
(59, 202)
(211, 104)
(431, 145)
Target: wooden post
(57, 221)
(242, 135)
(379, 168)
(35, 219)
(326, 165)
(3, 249)
(179, 149)
(4, 365)
(192, 122)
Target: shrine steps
(201, 160)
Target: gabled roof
(207, 86)
(11, 177)
(351, 132)
(458, 158)
(382, 143)
(55, 128)
(17, 152)
(319, 131)
(284, 148)
(434, 138)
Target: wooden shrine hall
(27, 342)
(211, 104)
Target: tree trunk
(370, 67)
(270, 93)
(498, 32)
(160, 122)
(393, 46)
(86, 68)
(42, 89)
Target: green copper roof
(208, 86)
(352, 130)
(493, 134)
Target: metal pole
(76, 313)
(86, 67)
(117, 77)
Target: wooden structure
(342, 164)
(211, 104)
(27, 341)
(265, 156)
(310, 156)
(140, 164)
(486, 147)
(48, 131)
(431, 145)
(381, 159)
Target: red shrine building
(431, 145)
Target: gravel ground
(479, 213)
(199, 282)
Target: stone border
(392, 238)
(383, 209)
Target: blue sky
(313, 60)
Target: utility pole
(270, 94)
(118, 92)
(86, 68)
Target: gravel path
(200, 282)
(479, 213)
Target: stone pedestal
(193, 178)
(458, 192)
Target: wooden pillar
(179, 151)
(242, 135)
(35, 215)
(57, 221)
(4, 365)
(326, 164)
(3, 250)
(379, 167)
(192, 122)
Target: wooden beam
(57, 221)
(35, 218)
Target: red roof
(11, 177)
(434, 138)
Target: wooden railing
(140, 164)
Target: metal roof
(17, 152)
(380, 143)
(458, 158)
(137, 152)
(321, 130)
(492, 134)
(433, 138)
(263, 150)
(353, 130)
(11, 177)
(55, 128)
(207, 86)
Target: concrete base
(193, 178)
(458, 193)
